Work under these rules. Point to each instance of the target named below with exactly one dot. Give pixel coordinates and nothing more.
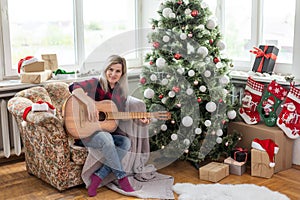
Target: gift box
(213, 171)
(239, 154)
(235, 167)
(260, 164)
(283, 159)
(50, 61)
(35, 77)
(265, 58)
(38, 66)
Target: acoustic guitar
(77, 123)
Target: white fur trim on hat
(256, 145)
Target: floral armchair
(49, 151)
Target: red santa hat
(38, 106)
(267, 145)
(25, 61)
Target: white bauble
(198, 131)
(207, 123)
(166, 38)
(211, 106)
(219, 140)
(189, 91)
(219, 132)
(166, 12)
(201, 27)
(187, 142)
(171, 94)
(219, 65)
(163, 127)
(149, 93)
(221, 45)
(160, 62)
(211, 24)
(164, 81)
(180, 70)
(191, 73)
(202, 88)
(187, 121)
(202, 51)
(183, 36)
(174, 136)
(187, 11)
(172, 15)
(224, 80)
(153, 77)
(225, 92)
(231, 114)
(207, 73)
(164, 100)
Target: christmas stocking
(252, 97)
(288, 119)
(270, 101)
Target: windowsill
(241, 77)
(16, 85)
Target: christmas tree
(187, 75)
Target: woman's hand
(145, 120)
(92, 112)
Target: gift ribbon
(240, 149)
(262, 53)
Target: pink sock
(95, 182)
(125, 185)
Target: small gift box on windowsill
(239, 154)
(265, 58)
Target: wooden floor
(16, 183)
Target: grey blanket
(146, 181)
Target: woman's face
(113, 74)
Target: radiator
(10, 141)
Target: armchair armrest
(17, 105)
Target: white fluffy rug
(188, 191)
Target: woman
(112, 85)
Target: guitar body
(76, 118)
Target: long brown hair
(123, 82)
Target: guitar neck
(128, 115)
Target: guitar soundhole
(102, 116)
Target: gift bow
(240, 149)
(262, 53)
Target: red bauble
(216, 60)
(143, 80)
(177, 56)
(161, 96)
(221, 100)
(199, 99)
(176, 89)
(194, 13)
(179, 2)
(211, 41)
(151, 62)
(156, 45)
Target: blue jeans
(114, 148)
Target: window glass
(106, 19)
(38, 27)
(238, 29)
(278, 27)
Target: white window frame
(6, 71)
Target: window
(250, 23)
(70, 28)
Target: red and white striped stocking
(289, 117)
(252, 97)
